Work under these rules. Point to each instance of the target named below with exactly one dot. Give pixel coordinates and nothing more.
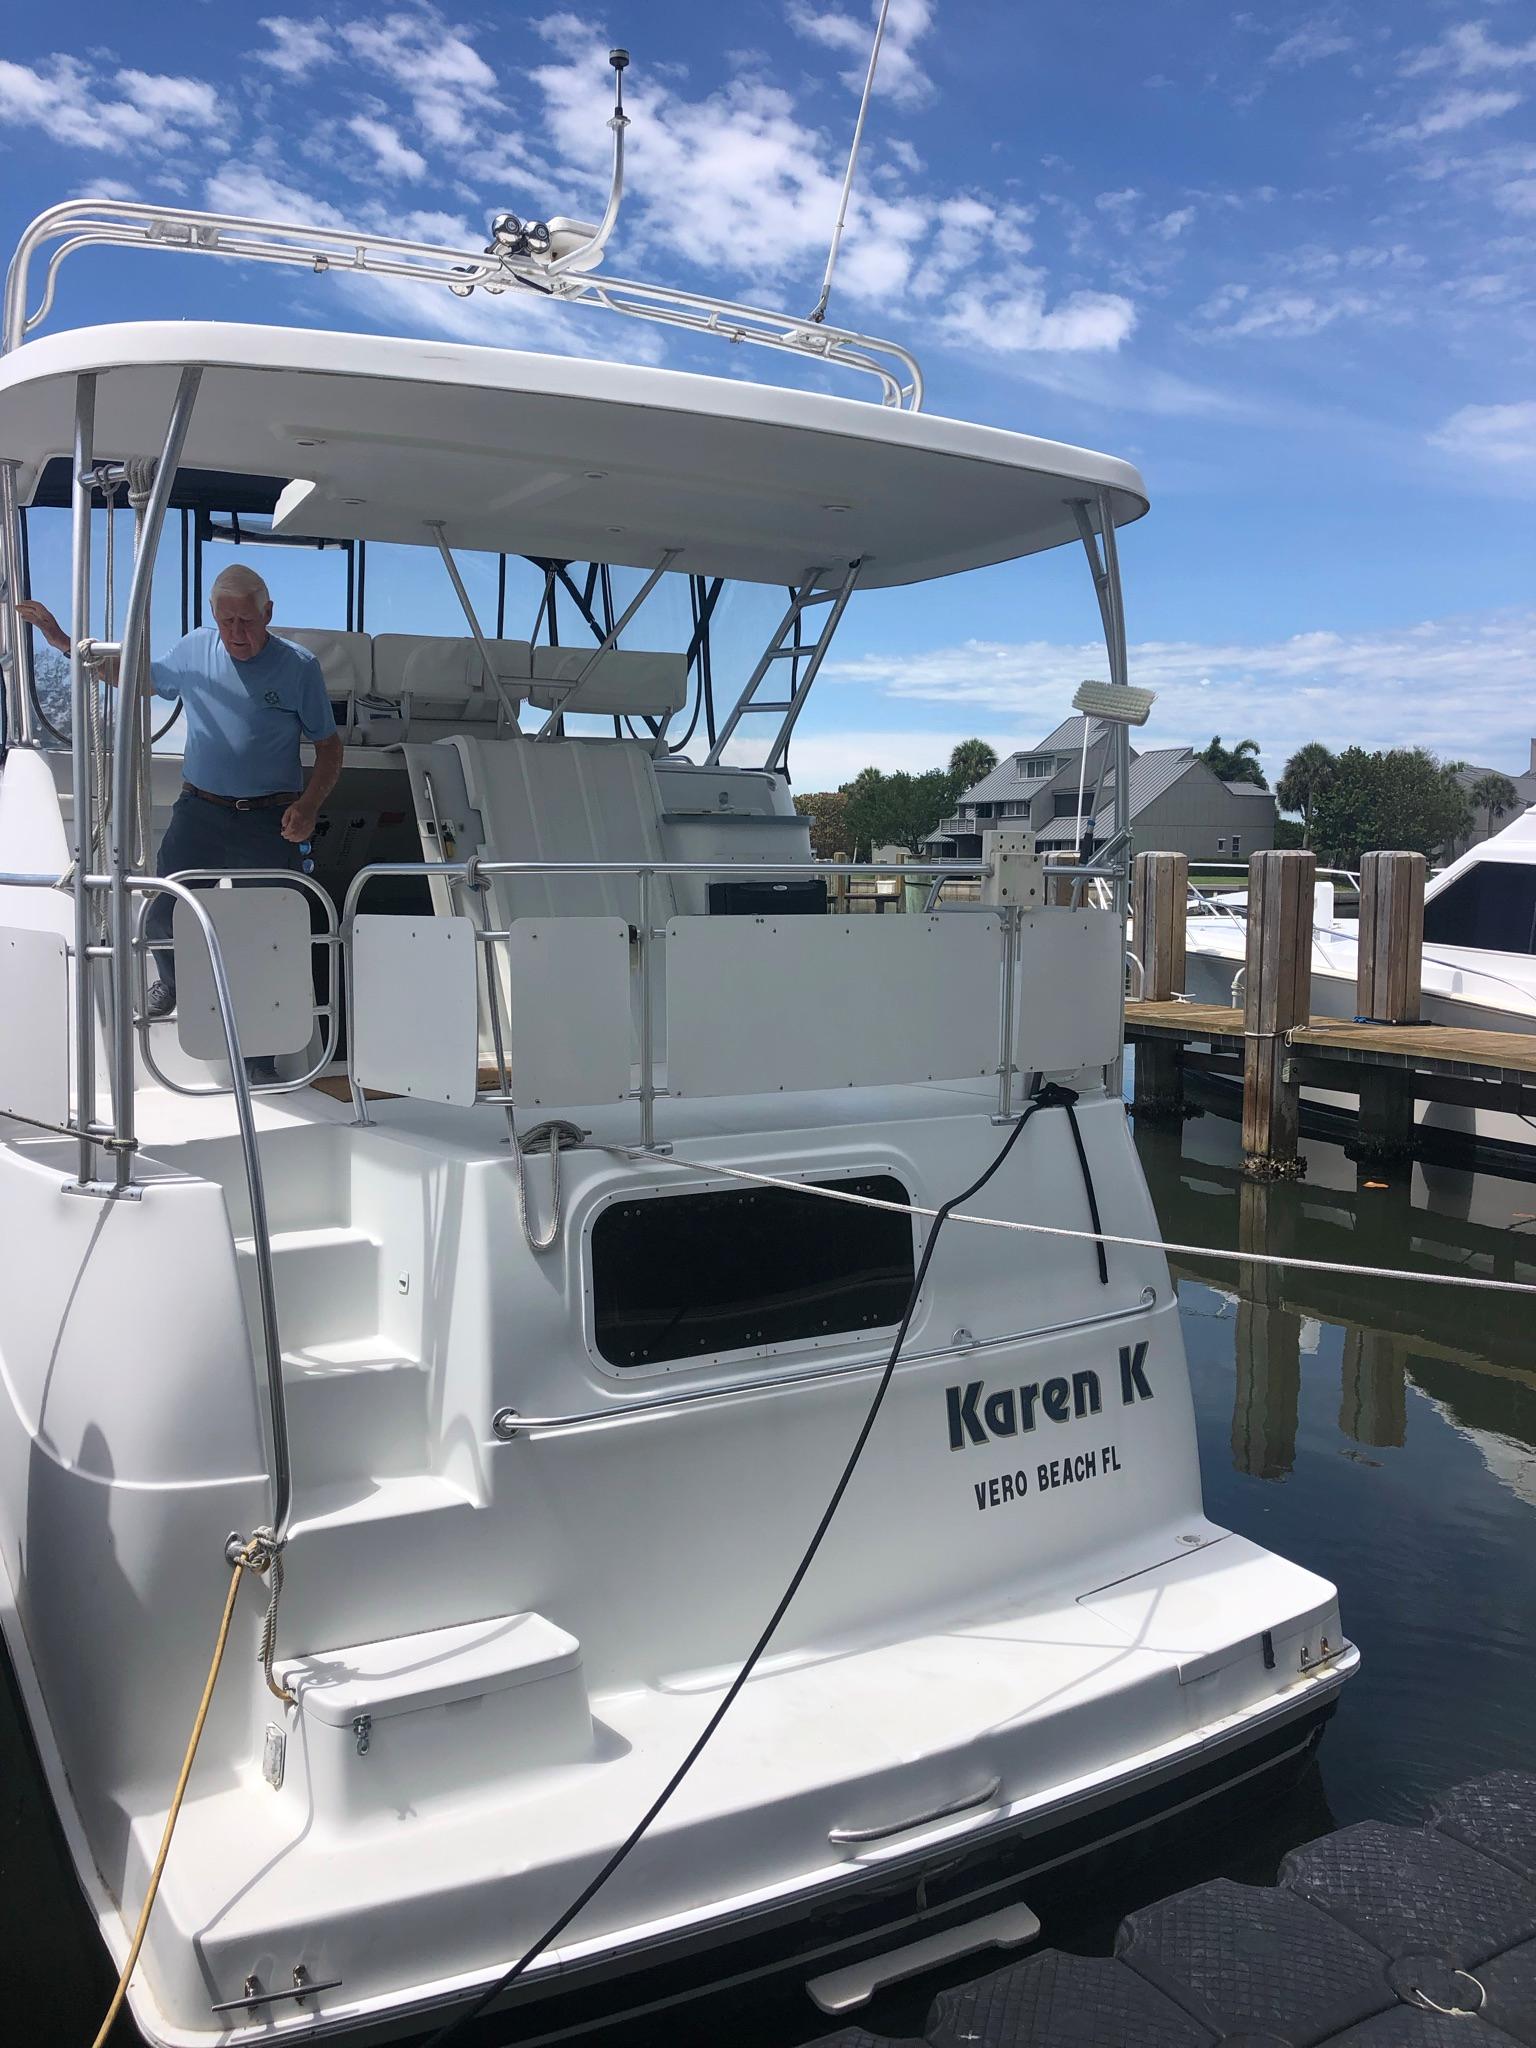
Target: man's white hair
(239, 581)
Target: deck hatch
(688, 1276)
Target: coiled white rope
(1146, 1244)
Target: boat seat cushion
(431, 668)
(625, 680)
(346, 659)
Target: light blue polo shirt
(244, 718)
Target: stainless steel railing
(471, 872)
(120, 1139)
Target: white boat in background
(1478, 972)
(475, 1326)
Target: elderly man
(244, 803)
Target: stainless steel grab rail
(507, 1424)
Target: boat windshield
(1491, 908)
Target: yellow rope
(243, 1564)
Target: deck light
(1119, 702)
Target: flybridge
(555, 259)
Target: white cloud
(298, 47)
(1010, 317)
(190, 102)
(1501, 435)
(392, 156)
(900, 75)
(76, 108)
(1172, 225)
(1458, 110)
(1457, 686)
(1316, 39)
(448, 80)
(1278, 312)
(1469, 50)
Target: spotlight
(461, 291)
(536, 238)
(506, 234)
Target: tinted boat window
(1492, 906)
(682, 1276)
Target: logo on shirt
(273, 699)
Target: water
(1382, 1433)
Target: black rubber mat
(1060, 2001)
(1404, 2027)
(1244, 1960)
(1496, 1815)
(1510, 1982)
(1412, 1891)
(860, 2037)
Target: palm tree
(1235, 764)
(1307, 774)
(1493, 794)
(969, 762)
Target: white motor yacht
(566, 1306)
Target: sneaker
(262, 1073)
(162, 1000)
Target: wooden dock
(1386, 1057)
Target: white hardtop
(553, 455)
(1515, 844)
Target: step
(327, 1283)
(357, 1408)
(396, 1725)
(370, 1556)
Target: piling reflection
(1469, 1352)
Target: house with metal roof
(1177, 803)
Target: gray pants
(205, 835)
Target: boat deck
(1385, 1937)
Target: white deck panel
(758, 1004)
(264, 937)
(415, 1007)
(568, 1032)
(551, 455)
(34, 1025)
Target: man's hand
(299, 821)
(31, 613)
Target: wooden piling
(1277, 994)
(1388, 986)
(1159, 899)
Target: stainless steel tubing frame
(330, 938)
(19, 728)
(472, 871)
(80, 682)
(255, 1188)
(128, 224)
(435, 527)
(131, 674)
(609, 641)
(507, 1424)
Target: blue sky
(1282, 259)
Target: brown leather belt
(241, 803)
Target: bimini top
(553, 455)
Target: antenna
(853, 159)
